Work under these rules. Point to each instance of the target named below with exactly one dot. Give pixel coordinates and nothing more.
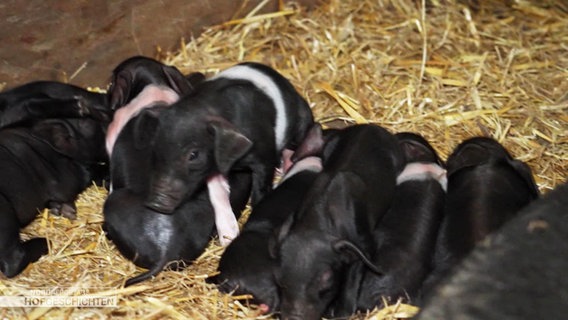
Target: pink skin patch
(286, 160)
(421, 171)
(148, 96)
(263, 308)
(225, 220)
(308, 163)
(285, 164)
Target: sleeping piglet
(140, 83)
(519, 273)
(50, 99)
(333, 229)
(486, 188)
(406, 236)
(153, 240)
(241, 119)
(45, 164)
(246, 266)
(150, 239)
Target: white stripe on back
(307, 164)
(417, 171)
(269, 87)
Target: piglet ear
(467, 155)
(119, 89)
(177, 81)
(346, 246)
(312, 145)
(346, 301)
(276, 239)
(146, 124)
(60, 135)
(230, 144)
(416, 148)
(526, 174)
(195, 78)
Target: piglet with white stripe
(241, 119)
(332, 231)
(246, 266)
(406, 236)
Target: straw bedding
(449, 71)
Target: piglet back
(485, 190)
(293, 114)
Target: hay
(448, 71)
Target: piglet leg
(286, 160)
(225, 219)
(67, 210)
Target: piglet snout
(162, 203)
(299, 310)
(166, 193)
(263, 308)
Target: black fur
(132, 75)
(519, 272)
(406, 236)
(486, 188)
(344, 204)
(225, 124)
(50, 99)
(45, 164)
(246, 265)
(150, 239)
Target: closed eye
(278, 282)
(193, 155)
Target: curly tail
(148, 274)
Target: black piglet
(246, 266)
(50, 99)
(405, 237)
(486, 188)
(45, 164)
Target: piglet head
(187, 149)
(81, 139)
(315, 248)
(311, 272)
(482, 150)
(309, 275)
(476, 151)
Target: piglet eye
(193, 155)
